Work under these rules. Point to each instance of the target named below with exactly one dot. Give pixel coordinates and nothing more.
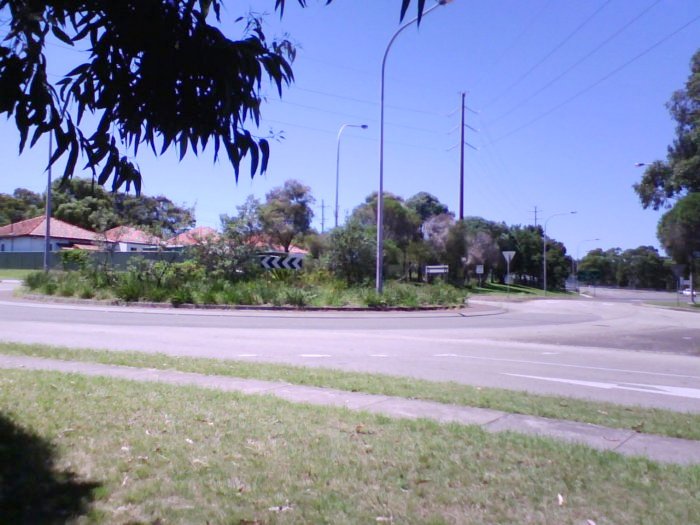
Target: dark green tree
(159, 73)
(286, 213)
(601, 267)
(679, 232)
(401, 226)
(22, 204)
(426, 205)
(680, 172)
(351, 252)
(456, 252)
(245, 226)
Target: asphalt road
(607, 349)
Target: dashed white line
(314, 355)
(378, 355)
(247, 355)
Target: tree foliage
(159, 73)
(351, 253)
(84, 204)
(641, 267)
(680, 173)
(286, 213)
(426, 205)
(679, 229)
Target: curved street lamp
(380, 194)
(337, 164)
(544, 245)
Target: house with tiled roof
(29, 236)
(195, 236)
(264, 245)
(130, 239)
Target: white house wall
(28, 244)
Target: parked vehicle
(686, 291)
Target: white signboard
(508, 256)
(479, 269)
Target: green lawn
(6, 273)
(92, 450)
(517, 290)
(654, 421)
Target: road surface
(600, 349)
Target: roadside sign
(479, 269)
(508, 255)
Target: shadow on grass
(32, 489)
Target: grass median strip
(112, 451)
(647, 420)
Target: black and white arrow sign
(281, 262)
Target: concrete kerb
(657, 448)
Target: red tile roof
(36, 227)
(195, 236)
(261, 243)
(130, 234)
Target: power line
(329, 132)
(511, 45)
(365, 101)
(359, 117)
(549, 54)
(577, 63)
(599, 81)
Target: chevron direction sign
(281, 262)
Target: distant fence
(118, 260)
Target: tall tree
(159, 73)
(287, 213)
(426, 205)
(680, 173)
(401, 226)
(679, 232)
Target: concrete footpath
(627, 442)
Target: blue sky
(566, 96)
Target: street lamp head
(639, 164)
(364, 126)
(444, 2)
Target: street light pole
(337, 164)
(379, 277)
(544, 246)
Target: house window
(2, 247)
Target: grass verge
(116, 451)
(7, 273)
(647, 420)
(517, 290)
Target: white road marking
(247, 355)
(550, 353)
(314, 355)
(564, 365)
(663, 390)
(378, 355)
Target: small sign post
(480, 273)
(508, 256)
